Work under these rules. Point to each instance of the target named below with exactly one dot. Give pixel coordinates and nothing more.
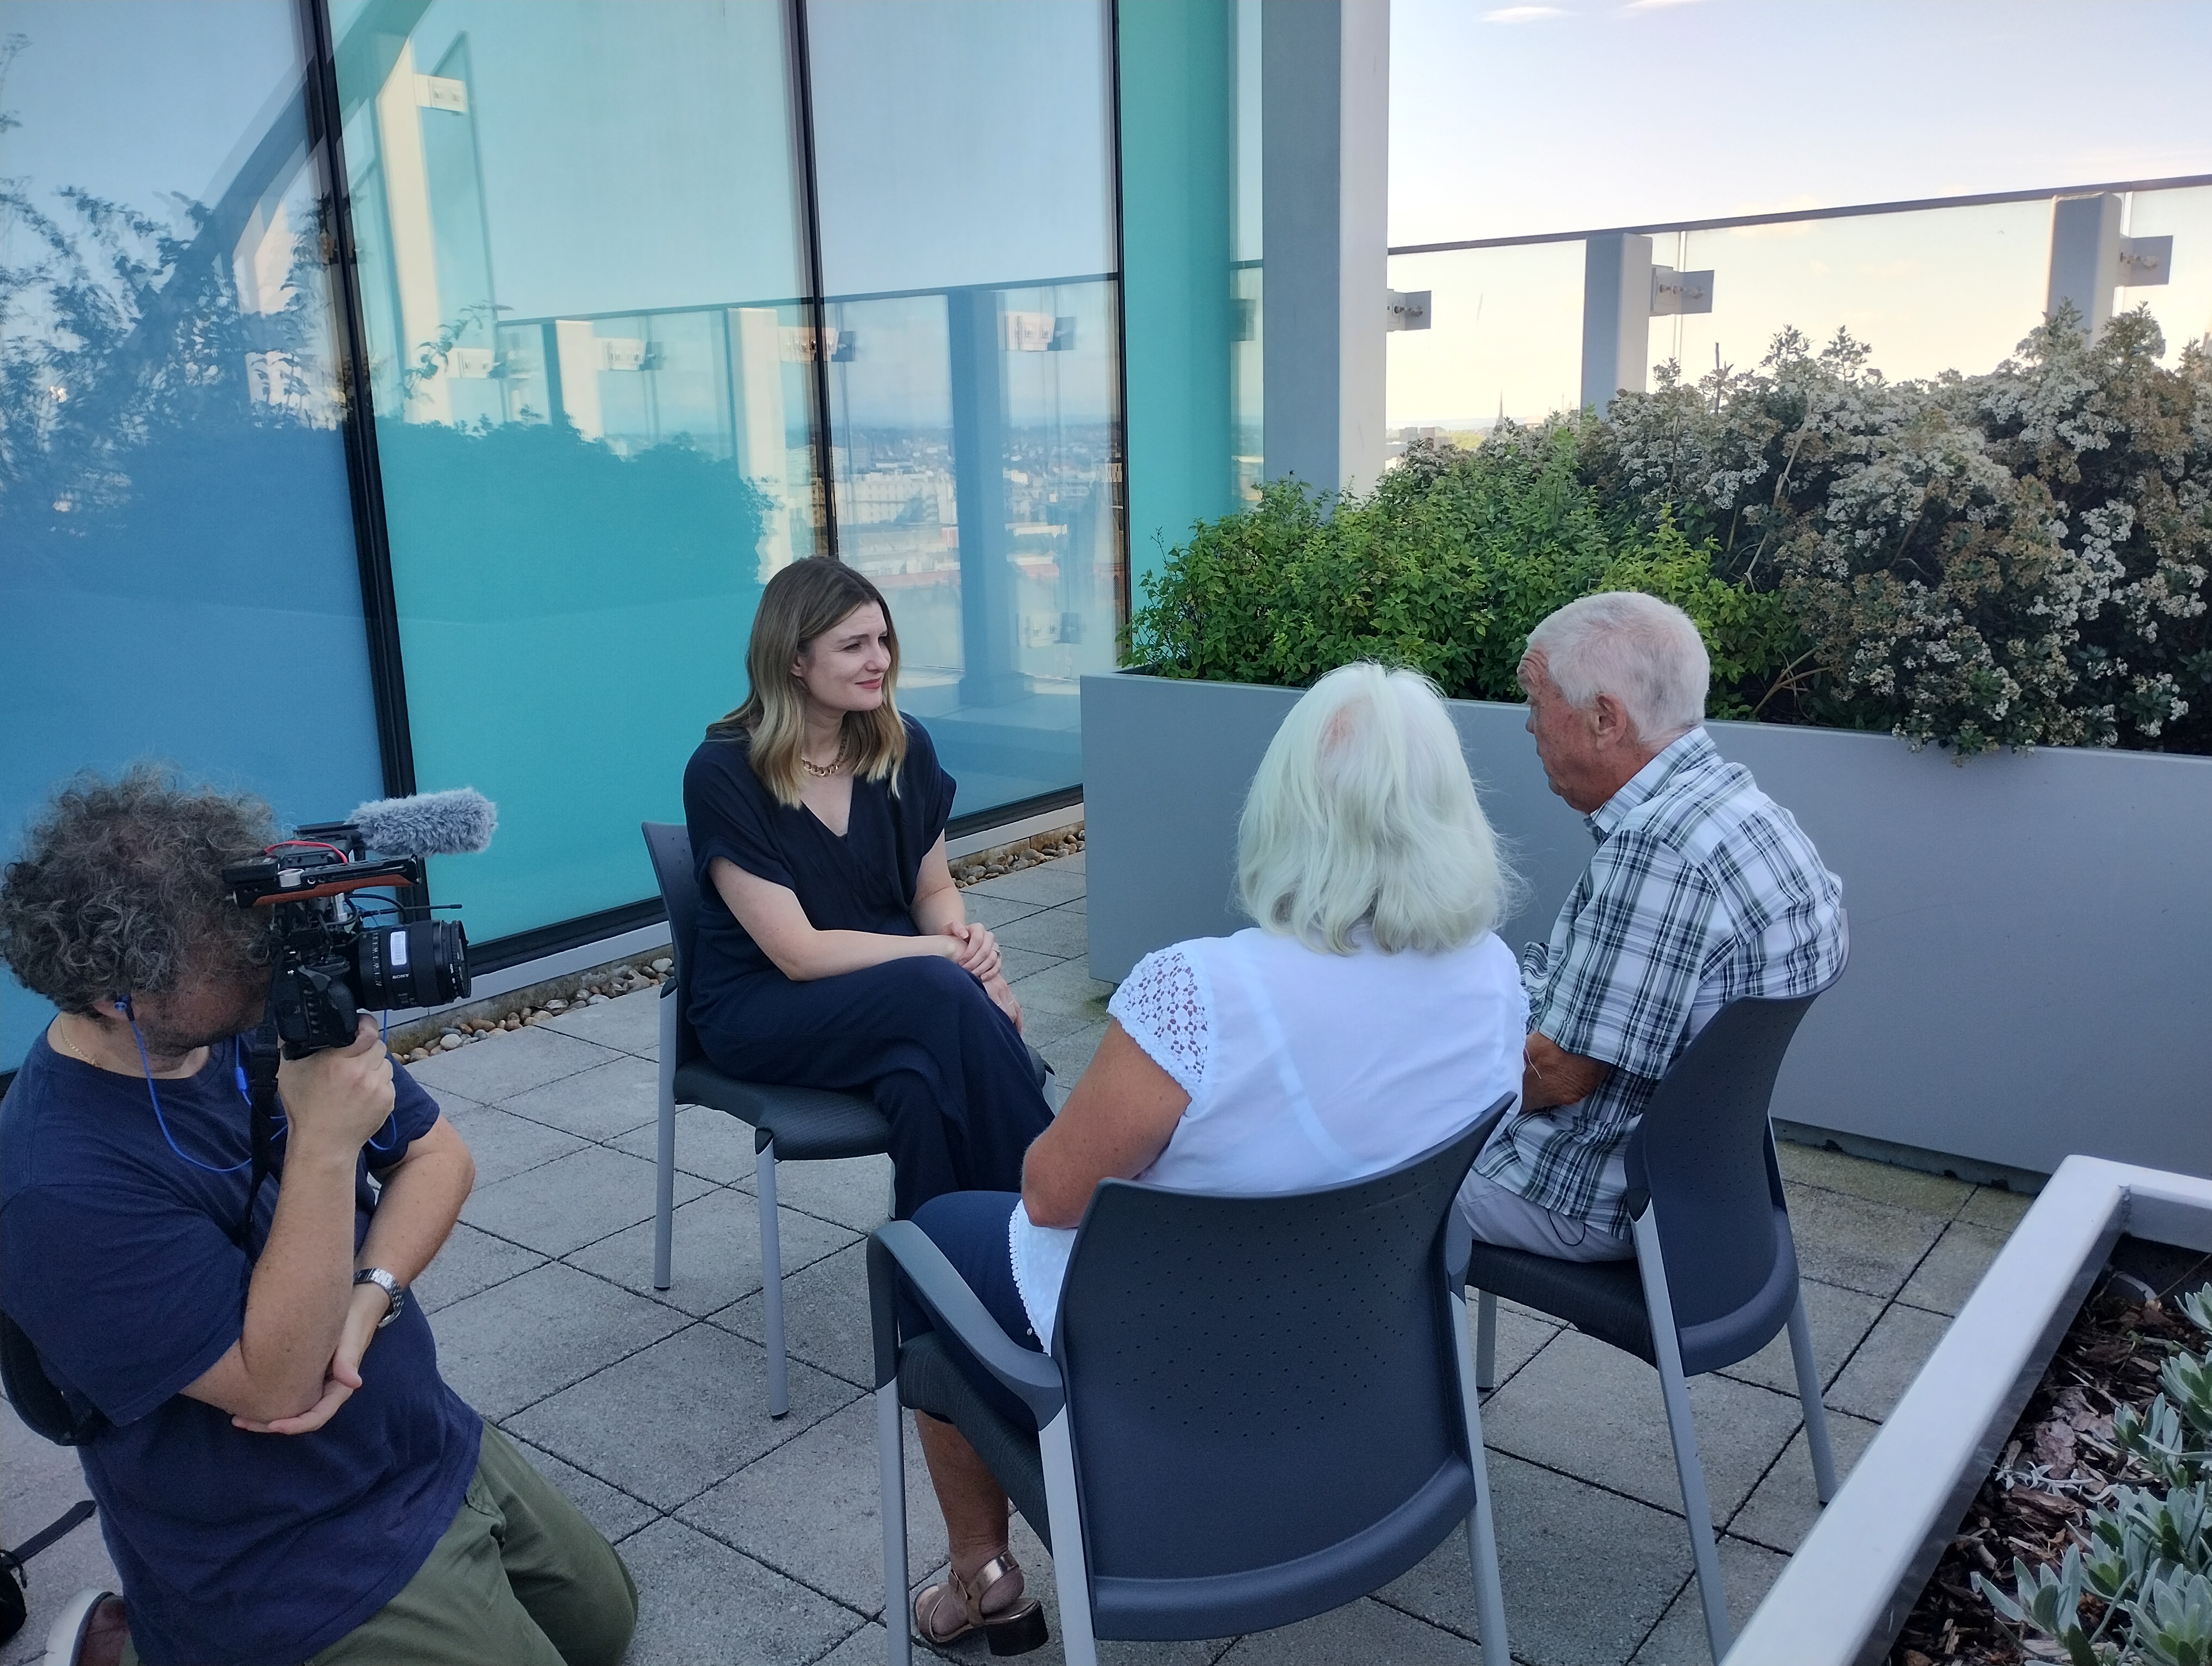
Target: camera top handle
(265, 881)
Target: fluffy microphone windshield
(452, 824)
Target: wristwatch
(394, 1292)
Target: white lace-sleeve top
(1303, 1069)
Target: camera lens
(423, 964)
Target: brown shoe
(91, 1630)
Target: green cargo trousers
(520, 1578)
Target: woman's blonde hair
(1363, 814)
(802, 601)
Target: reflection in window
(178, 572)
(581, 269)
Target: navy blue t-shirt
(863, 881)
(117, 1259)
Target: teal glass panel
(964, 161)
(177, 569)
(1190, 265)
(580, 263)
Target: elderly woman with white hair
(1371, 1014)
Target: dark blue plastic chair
(1715, 1275)
(792, 1124)
(1256, 1410)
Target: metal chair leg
(1712, 1591)
(890, 1460)
(1808, 1395)
(1070, 1566)
(1485, 1341)
(779, 1368)
(664, 1194)
(1481, 1524)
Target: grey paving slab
(668, 1422)
(812, 1508)
(865, 1647)
(521, 1340)
(1887, 1361)
(996, 912)
(570, 1202)
(1679, 1639)
(715, 1256)
(702, 1604)
(1043, 1025)
(630, 1023)
(825, 1317)
(469, 1261)
(1783, 1507)
(1881, 1182)
(1358, 1634)
(505, 1145)
(610, 1509)
(506, 1064)
(1067, 988)
(1058, 933)
(603, 1103)
(709, 1143)
(1993, 1206)
(853, 1191)
(1078, 863)
(1840, 1319)
(1948, 1275)
(1594, 1412)
(1521, 1336)
(1857, 1243)
(1018, 963)
(1046, 885)
(1070, 1054)
(37, 1482)
(1587, 1573)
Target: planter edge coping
(1843, 1598)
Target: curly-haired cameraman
(283, 1474)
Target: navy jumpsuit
(947, 1068)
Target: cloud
(1523, 14)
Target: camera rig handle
(264, 882)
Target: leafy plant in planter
(2150, 1566)
(1445, 567)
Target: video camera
(331, 964)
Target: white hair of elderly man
(1645, 652)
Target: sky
(1517, 119)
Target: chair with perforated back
(1715, 1277)
(1256, 1410)
(790, 1124)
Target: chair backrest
(1703, 1153)
(669, 845)
(1255, 1380)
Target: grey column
(2085, 257)
(990, 674)
(1325, 169)
(1616, 317)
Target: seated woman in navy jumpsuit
(833, 950)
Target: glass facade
(630, 336)
(972, 327)
(178, 577)
(580, 242)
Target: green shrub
(1445, 567)
(2013, 559)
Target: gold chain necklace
(71, 1045)
(824, 771)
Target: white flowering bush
(2010, 559)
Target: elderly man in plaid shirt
(1703, 890)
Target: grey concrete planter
(2031, 934)
(1849, 1590)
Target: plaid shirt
(1703, 890)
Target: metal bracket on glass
(2145, 261)
(1674, 292)
(1407, 310)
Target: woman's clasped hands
(975, 950)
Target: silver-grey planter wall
(2031, 971)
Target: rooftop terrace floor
(755, 1540)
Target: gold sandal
(992, 1601)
